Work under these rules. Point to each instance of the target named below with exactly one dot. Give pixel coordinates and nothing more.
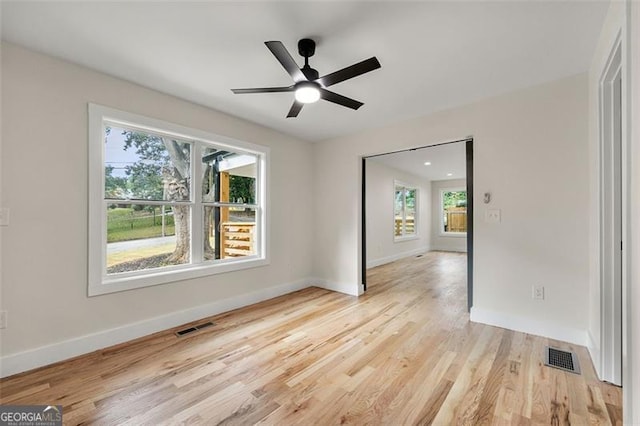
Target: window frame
(442, 232)
(405, 187)
(99, 282)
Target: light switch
(492, 216)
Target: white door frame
(613, 220)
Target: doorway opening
(418, 200)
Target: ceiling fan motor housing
(306, 47)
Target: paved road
(138, 244)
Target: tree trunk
(181, 220)
(176, 188)
(208, 189)
(208, 224)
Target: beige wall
(439, 241)
(44, 171)
(381, 247)
(530, 152)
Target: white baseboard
(530, 326)
(45, 355)
(453, 249)
(388, 259)
(347, 288)
(594, 352)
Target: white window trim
(442, 233)
(408, 237)
(100, 283)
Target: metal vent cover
(564, 360)
(189, 330)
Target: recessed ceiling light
(449, 174)
(427, 163)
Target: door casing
(611, 216)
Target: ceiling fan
(308, 85)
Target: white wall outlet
(4, 216)
(492, 216)
(3, 319)
(538, 292)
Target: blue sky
(115, 155)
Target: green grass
(125, 224)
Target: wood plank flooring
(404, 353)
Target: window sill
(114, 284)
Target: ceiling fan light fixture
(309, 87)
(307, 93)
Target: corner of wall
(594, 351)
(388, 259)
(340, 287)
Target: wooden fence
(456, 219)
(237, 239)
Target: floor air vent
(557, 358)
(186, 331)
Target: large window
(169, 203)
(405, 211)
(454, 211)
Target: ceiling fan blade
(330, 96)
(349, 72)
(264, 90)
(295, 109)
(283, 56)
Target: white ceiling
(434, 55)
(448, 161)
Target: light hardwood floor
(405, 353)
